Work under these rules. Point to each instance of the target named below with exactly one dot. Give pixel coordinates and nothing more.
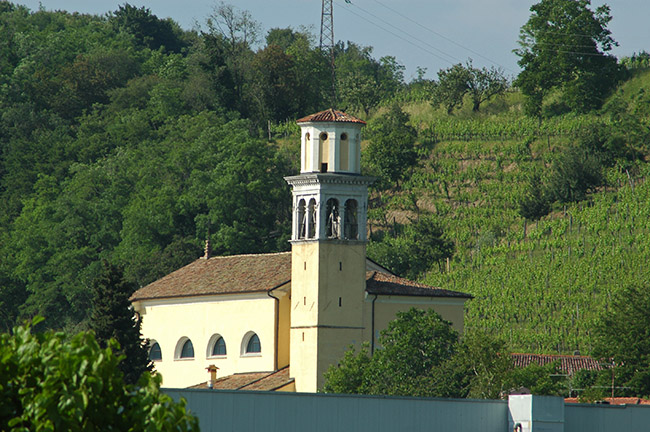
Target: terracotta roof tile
(330, 115)
(615, 401)
(222, 275)
(382, 283)
(263, 272)
(567, 363)
(259, 381)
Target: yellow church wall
(284, 329)
(386, 308)
(232, 317)
(304, 357)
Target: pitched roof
(264, 272)
(260, 381)
(222, 275)
(615, 401)
(330, 115)
(569, 364)
(385, 284)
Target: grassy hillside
(540, 285)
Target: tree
(535, 203)
(413, 360)
(452, 86)
(457, 81)
(363, 82)
(488, 365)
(563, 46)
(413, 249)
(391, 152)
(54, 381)
(575, 172)
(484, 84)
(147, 29)
(113, 318)
(622, 338)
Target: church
(277, 321)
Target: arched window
(308, 162)
(333, 229)
(344, 153)
(253, 345)
(312, 219)
(219, 347)
(302, 219)
(184, 349)
(155, 353)
(351, 224)
(324, 151)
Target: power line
(444, 37)
(402, 38)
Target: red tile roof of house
(330, 115)
(261, 273)
(260, 381)
(569, 364)
(614, 401)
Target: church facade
(278, 321)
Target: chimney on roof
(207, 249)
(212, 370)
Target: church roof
(222, 275)
(330, 115)
(385, 284)
(263, 272)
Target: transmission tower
(327, 41)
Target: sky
(418, 33)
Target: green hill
(540, 285)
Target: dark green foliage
(488, 365)
(147, 29)
(457, 81)
(54, 381)
(391, 152)
(575, 172)
(562, 47)
(113, 318)
(622, 336)
(412, 250)
(535, 203)
(540, 380)
(413, 360)
(363, 82)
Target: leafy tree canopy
(457, 81)
(391, 152)
(51, 381)
(563, 46)
(622, 337)
(412, 358)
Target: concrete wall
(605, 418)
(225, 411)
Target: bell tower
(328, 243)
